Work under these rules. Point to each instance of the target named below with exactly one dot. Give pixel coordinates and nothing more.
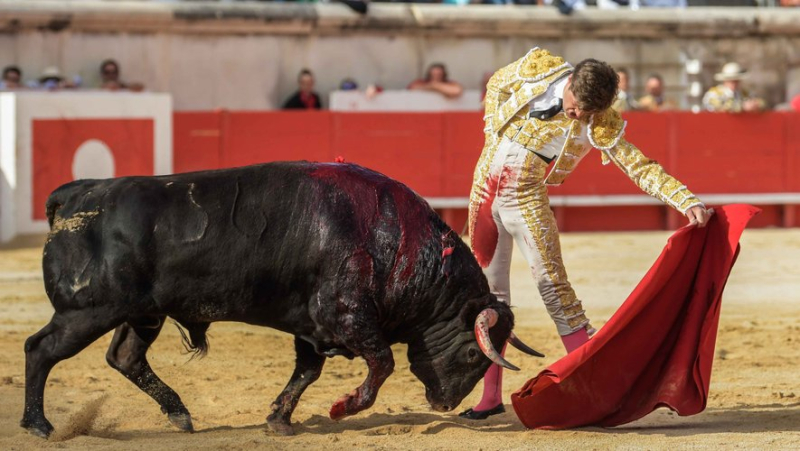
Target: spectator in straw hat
(52, 79)
(729, 96)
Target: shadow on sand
(403, 423)
(741, 420)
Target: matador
(542, 117)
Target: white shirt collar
(554, 94)
(559, 85)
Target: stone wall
(246, 56)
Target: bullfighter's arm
(606, 132)
(651, 177)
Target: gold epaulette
(527, 79)
(606, 129)
(538, 64)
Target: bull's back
(259, 237)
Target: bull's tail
(196, 342)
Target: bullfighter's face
(571, 104)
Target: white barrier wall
(51, 138)
(404, 100)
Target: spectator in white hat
(52, 80)
(729, 96)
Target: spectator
(436, 80)
(110, 76)
(729, 96)
(52, 79)
(566, 7)
(305, 98)
(359, 6)
(663, 3)
(373, 90)
(795, 103)
(348, 84)
(637, 4)
(12, 78)
(654, 100)
(624, 101)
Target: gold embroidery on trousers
(534, 207)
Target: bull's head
(453, 356)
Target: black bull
(343, 258)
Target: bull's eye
(472, 355)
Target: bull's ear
(470, 311)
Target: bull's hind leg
(307, 369)
(127, 354)
(66, 335)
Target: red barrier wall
(55, 142)
(435, 153)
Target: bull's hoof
(182, 421)
(338, 410)
(348, 405)
(40, 432)
(280, 427)
(41, 428)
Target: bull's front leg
(380, 362)
(308, 367)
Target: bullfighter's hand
(699, 216)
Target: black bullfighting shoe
(482, 414)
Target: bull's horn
(485, 320)
(517, 343)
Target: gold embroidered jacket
(514, 87)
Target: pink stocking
(574, 340)
(492, 387)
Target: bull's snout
(437, 403)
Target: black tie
(548, 113)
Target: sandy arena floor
(754, 400)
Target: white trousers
(510, 204)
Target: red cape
(657, 349)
